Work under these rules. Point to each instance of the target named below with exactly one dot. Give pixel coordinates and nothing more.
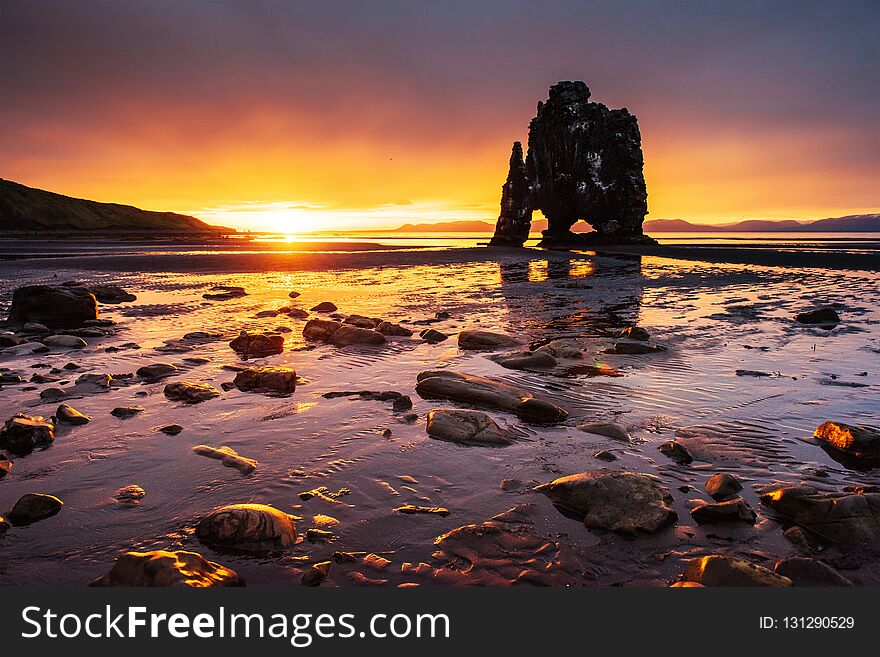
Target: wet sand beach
(739, 381)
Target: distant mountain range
(29, 210)
(854, 223)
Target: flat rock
(26, 349)
(228, 457)
(266, 379)
(412, 509)
(126, 412)
(129, 495)
(473, 340)
(32, 507)
(488, 393)
(636, 348)
(466, 428)
(803, 571)
(563, 348)
(54, 307)
(65, 341)
(525, 360)
(622, 502)
(225, 292)
(69, 415)
(21, 433)
(388, 328)
(247, 528)
(257, 344)
(607, 429)
(851, 519)
(720, 570)
(362, 322)
(190, 393)
(736, 510)
(111, 294)
(171, 429)
(157, 371)
(722, 486)
(164, 568)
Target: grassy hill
(28, 210)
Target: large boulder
(851, 519)
(623, 502)
(465, 428)
(257, 345)
(55, 307)
(164, 568)
(266, 379)
(21, 433)
(190, 393)
(720, 570)
(247, 528)
(32, 507)
(485, 340)
(488, 393)
(858, 442)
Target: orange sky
(276, 118)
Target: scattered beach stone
(510, 485)
(722, 486)
(757, 373)
(362, 322)
(622, 502)
(21, 433)
(69, 415)
(190, 393)
(225, 292)
(94, 380)
(858, 442)
(324, 493)
(258, 344)
(126, 412)
(129, 495)
(325, 307)
(402, 403)
(53, 394)
(111, 294)
(803, 571)
(486, 392)
(9, 340)
(822, 315)
(432, 336)
(736, 510)
(164, 568)
(320, 329)
(412, 509)
(26, 349)
(525, 360)
(266, 379)
(605, 455)
(228, 457)
(4, 525)
(607, 429)
(474, 340)
(852, 519)
(676, 451)
(318, 535)
(348, 334)
(266, 313)
(66, 341)
(61, 307)
(563, 348)
(636, 348)
(5, 464)
(388, 328)
(35, 328)
(297, 313)
(293, 294)
(247, 528)
(316, 574)
(720, 570)
(171, 429)
(157, 371)
(466, 428)
(11, 379)
(32, 507)
(635, 333)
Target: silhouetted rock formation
(584, 162)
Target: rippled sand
(714, 319)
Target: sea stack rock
(584, 162)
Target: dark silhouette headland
(584, 162)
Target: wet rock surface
(266, 379)
(466, 428)
(228, 457)
(247, 528)
(525, 360)
(190, 393)
(21, 433)
(166, 568)
(616, 501)
(737, 510)
(54, 307)
(34, 507)
(485, 340)
(69, 415)
(823, 315)
(257, 345)
(720, 570)
(860, 443)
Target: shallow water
(714, 318)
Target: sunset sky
(293, 115)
